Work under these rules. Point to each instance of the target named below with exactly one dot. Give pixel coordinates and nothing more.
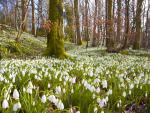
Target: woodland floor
(31, 47)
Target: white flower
(58, 90)
(124, 94)
(43, 99)
(78, 112)
(5, 104)
(129, 92)
(98, 100)
(146, 94)
(52, 98)
(118, 105)
(93, 96)
(60, 105)
(16, 94)
(106, 99)
(97, 90)
(102, 111)
(72, 91)
(49, 85)
(96, 80)
(91, 73)
(95, 109)
(131, 86)
(33, 103)
(30, 85)
(109, 92)
(16, 106)
(102, 103)
(73, 80)
(64, 90)
(29, 90)
(104, 84)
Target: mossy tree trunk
(76, 12)
(55, 38)
(137, 42)
(109, 38)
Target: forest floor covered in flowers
(91, 81)
(113, 83)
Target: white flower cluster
(56, 101)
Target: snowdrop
(52, 98)
(49, 85)
(5, 104)
(16, 106)
(97, 90)
(60, 105)
(102, 103)
(58, 89)
(43, 99)
(16, 94)
(124, 94)
(95, 110)
(73, 80)
(29, 90)
(131, 86)
(104, 84)
(109, 92)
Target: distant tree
(24, 11)
(69, 30)
(119, 20)
(109, 38)
(137, 41)
(77, 21)
(95, 24)
(33, 17)
(127, 7)
(86, 27)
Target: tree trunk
(24, 10)
(95, 24)
(76, 11)
(33, 18)
(126, 24)
(119, 21)
(147, 25)
(136, 44)
(55, 38)
(86, 22)
(109, 39)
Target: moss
(125, 52)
